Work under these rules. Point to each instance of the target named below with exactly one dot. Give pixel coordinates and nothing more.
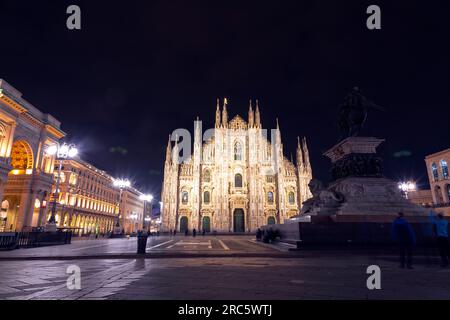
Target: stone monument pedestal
(358, 192)
(51, 227)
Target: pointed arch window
(207, 176)
(237, 151)
(270, 197)
(238, 181)
(291, 198)
(206, 197)
(184, 197)
(444, 168)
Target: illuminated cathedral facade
(234, 181)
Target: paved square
(315, 275)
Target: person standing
(428, 239)
(441, 230)
(194, 233)
(403, 235)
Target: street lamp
(121, 184)
(146, 198)
(407, 186)
(61, 152)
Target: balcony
(23, 180)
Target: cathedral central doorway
(183, 224)
(238, 221)
(206, 225)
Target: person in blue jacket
(441, 231)
(403, 235)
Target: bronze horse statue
(353, 113)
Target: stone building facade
(132, 210)
(439, 177)
(87, 202)
(234, 181)
(26, 171)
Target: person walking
(441, 231)
(403, 235)
(194, 233)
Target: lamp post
(145, 198)
(121, 184)
(407, 186)
(61, 152)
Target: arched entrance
(21, 157)
(184, 224)
(271, 220)
(206, 224)
(238, 220)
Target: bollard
(142, 243)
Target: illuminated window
(62, 177)
(237, 151)
(270, 197)
(291, 198)
(184, 197)
(73, 179)
(444, 168)
(207, 197)
(238, 181)
(434, 170)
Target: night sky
(140, 69)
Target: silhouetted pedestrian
(203, 232)
(258, 234)
(403, 235)
(441, 231)
(428, 239)
(186, 232)
(194, 232)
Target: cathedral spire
(306, 154)
(257, 116)
(278, 133)
(300, 162)
(251, 116)
(175, 153)
(218, 114)
(225, 113)
(169, 150)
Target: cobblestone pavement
(318, 276)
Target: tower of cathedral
(235, 181)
